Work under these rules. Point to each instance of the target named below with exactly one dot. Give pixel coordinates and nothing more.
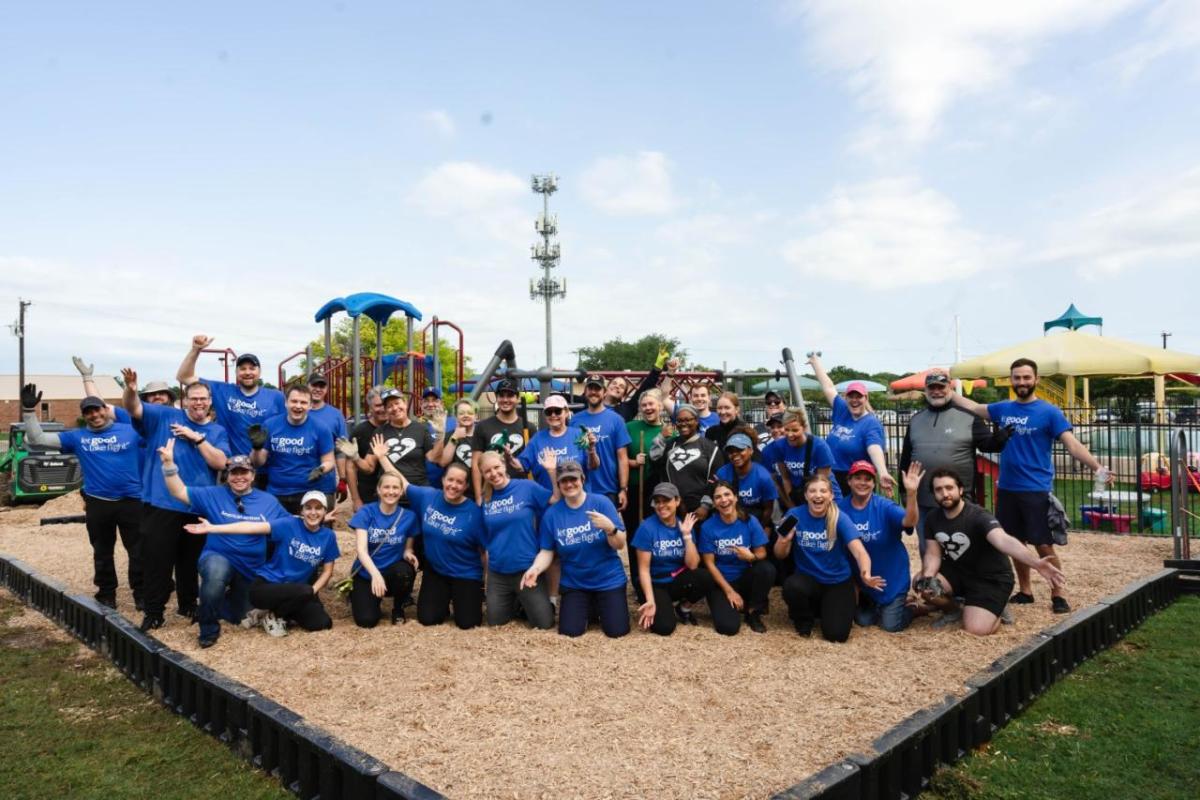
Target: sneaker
(207, 641)
(755, 623)
(253, 618)
(398, 614)
(1006, 617)
(1059, 605)
(685, 615)
(554, 602)
(151, 622)
(948, 618)
(274, 626)
(804, 629)
(187, 611)
(1021, 599)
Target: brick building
(60, 396)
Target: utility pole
(1166, 335)
(546, 253)
(19, 332)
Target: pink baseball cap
(555, 401)
(857, 386)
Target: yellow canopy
(1077, 353)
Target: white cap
(314, 495)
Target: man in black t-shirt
(507, 430)
(360, 479)
(410, 443)
(967, 555)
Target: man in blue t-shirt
(237, 405)
(609, 437)
(228, 563)
(298, 450)
(201, 448)
(1027, 471)
(109, 455)
(335, 420)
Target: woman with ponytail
(818, 537)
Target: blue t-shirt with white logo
(193, 469)
(781, 452)
(755, 489)
(236, 411)
(719, 538)
(333, 419)
(809, 552)
(665, 546)
(386, 534)
(588, 561)
(880, 528)
(293, 451)
(849, 438)
(1025, 464)
(707, 421)
(611, 436)
(111, 460)
(453, 534)
(219, 505)
(510, 520)
(298, 551)
(565, 446)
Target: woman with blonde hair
(466, 412)
(821, 541)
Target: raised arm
(133, 403)
(186, 375)
(827, 387)
(912, 481)
(970, 406)
(30, 399)
(174, 483)
(89, 385)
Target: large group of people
(227, 501)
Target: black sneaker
(685, 615)
(139, 604)
(207, 642)
(106, 600)
(398, 614)
(187, 611)
(151, 622)
(1059, 605)
(755, 623)
(804, 629)
(1021, 599)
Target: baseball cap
(739, 441)
(934, 378)
(595, 380)
(506, 385)
(154, 387)
(244, 357)
(389, 394)
(568, 469)
(664, 489)
(861, 466)
(774, 419)
(91, 402)
(318, 379)
(431, 392)
(772, 395)
(857, 386)
(314, 495)
(555, 401)
(239, 462)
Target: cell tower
(546, 253)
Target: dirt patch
(512, 713)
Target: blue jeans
(893, 618)
(224, 594)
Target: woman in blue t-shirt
(512, 508)
(856, 433)
(667, 564)
(386, 565)
(818, 537)
(733, 547)
(586, 533)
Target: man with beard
(1027, 471)
(609, 437)
(940, 436)
(505, 432)
(965, 557)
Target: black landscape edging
(901, 762)
(309, 762)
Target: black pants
(784, 567)
(104, 519)
(843, 482)
(834, 603)
(439, 592)
(167, 547)
(365, 606)
(753, 586)
(690, 585)
(294, 602)
(637, 508)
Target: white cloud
(638, 184)
(887, 234)
(1158, 224)
(1171, 27)
(478, 199)
(908, 62)
(440, 122)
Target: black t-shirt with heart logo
(493, 434)
(407, 448)
(964, 542)
(690, 466)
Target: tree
(617, 354)
(395, 340)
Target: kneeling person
(967, 555)
(386, 566)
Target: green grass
(1125, 724)
(72, 726)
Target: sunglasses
(241, 508)
(568, 479)
(552, 412)
(774, 402)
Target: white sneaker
(253, 618)
(274, 626)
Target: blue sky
(843, 176)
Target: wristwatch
(201, 440)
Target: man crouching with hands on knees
(967, 555)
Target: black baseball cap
(247, 357)
(431, 392)
(318, 379)
(772, 395)
(507, 385)
(91, 402)
(595, 380)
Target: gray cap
(568, 469)
(739, 441)
(91, 402)
(154, 387)
(935, 377)
(668, 490)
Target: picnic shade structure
(1076, 354)
(916, 381)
